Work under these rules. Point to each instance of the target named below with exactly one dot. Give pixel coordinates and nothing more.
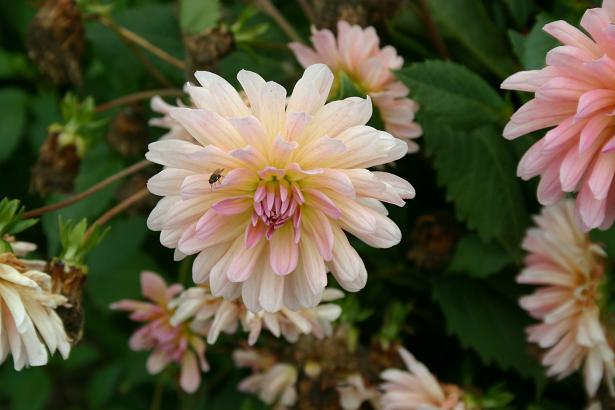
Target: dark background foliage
(454, 270)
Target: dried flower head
(56, 41)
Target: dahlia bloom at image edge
(29, 325)
(417, 388)
(179, 344)
(569, 269)
(575, 93)
(291, 178)
(357, 53)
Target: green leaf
(453, 93)
(12, 119)
(467, 22)
(478, 170)
(532, 49)
(33, 380)
(488, 321)
(477, 258)
(103, 385)
(520, 10)
(196, 16)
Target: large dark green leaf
(477, 258)
(467, 22)
(454, 94)
(487, 321)
(12, 119)
(478, 170)
(532, 49)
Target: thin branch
(433, 32)
(140, 41)
(143, 95)
(268, 7)
(90, 191)
(151, 68)
(118, 209)
(308, 11)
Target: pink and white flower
(274, 383)
(180, 344)
(357, 53)
(569, 268)
(292, 178)
(29, 325)
(417, 388)
(214, 315)
(575, 94)
(176, 131)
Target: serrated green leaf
(453, 93)
(487, 321)
(13, 119)
(467, 22)
(477, 258)
(196, 16)
(478, 171)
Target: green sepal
(76, 243)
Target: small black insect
(216, 177)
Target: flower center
(276, 201)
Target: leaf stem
(142, 95)
(268, 7)
(90, 191)
(308, 11)
(133, 37)
(433, 31)
(118, 209)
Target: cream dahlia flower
(175, 130)
(575, 93)
(274, 383)
(180, 344)
(357, 53)
(265, 194)
(417, 388)
(29, 325)
(569, 268)
(214, 315)
(353, 393)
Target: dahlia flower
(169, 344)
(417, 389)
(176, 131)
(265, 193)
(569, 268)
(29, 325)
(357, 53)
(575, 94)
(213, 315)
(353, 393)
(274, 383)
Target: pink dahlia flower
(575, 94)
(169, 344)
(265, 193)
(29, 325)
(274, 383)
(417, 389)
(569, 269)
(357, 53)
(213, 315)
